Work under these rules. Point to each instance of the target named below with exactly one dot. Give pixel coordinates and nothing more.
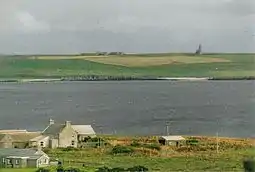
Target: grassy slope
(227, 161)
(18, 67)
(232, 152)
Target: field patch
(60, 57)
(133, 61)
(153, 61)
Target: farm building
(171, 140)
(84, 131)
(23, 158)
(16, 139)
(60, 135)
(63, 135)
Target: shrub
(72, 170)
(118, 149)
(42, 170)
(69, 148)
(46, 150)
(117, 169)
(95, 142)
(152, 146)
(135, 144)
(192, 142)
(137, 168)
(60, 169)
(103, 169)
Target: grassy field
(154, 65)
(202, 157)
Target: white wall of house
(68, 137)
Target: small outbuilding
(84, 131)
(23, 158)
(171, 140)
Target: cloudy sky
(74, 26)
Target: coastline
(114, 78)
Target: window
(8, 161)
(45, 161)
(72, 143)
(42, 144)
(17, 162)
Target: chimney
(68, 123)
(51, 121)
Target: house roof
(29, 153)
(12, 131)
(23, 137)
(19, 137)
(54, 129)
(2, 136)
(84, 129)
(173, 138)
(38, 138)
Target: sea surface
(133, 107)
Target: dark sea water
(133, 107)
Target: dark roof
(54, 129)
(31, 153)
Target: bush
(72, 170)
(95, 142)
(137, 168)
(42, 170)
(46, 150)
(117, 169)
(60, 169)
(152, 146)
(135, 144)
(192, 142)
(69, 148)
(118, 149)
(103, 169)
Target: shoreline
(113, 78)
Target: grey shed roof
(54, 129)
(173, 138)
(31, 153)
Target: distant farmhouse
(115, 53)
(53, 136)
(65, 135)
(109, 53)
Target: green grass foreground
(224, 161)
(202, 157)
(237, 65)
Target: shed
(171, 140)
(16, 140)
(23, 158)
(84, 131)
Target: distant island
(126, 66)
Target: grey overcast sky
(74, 26)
